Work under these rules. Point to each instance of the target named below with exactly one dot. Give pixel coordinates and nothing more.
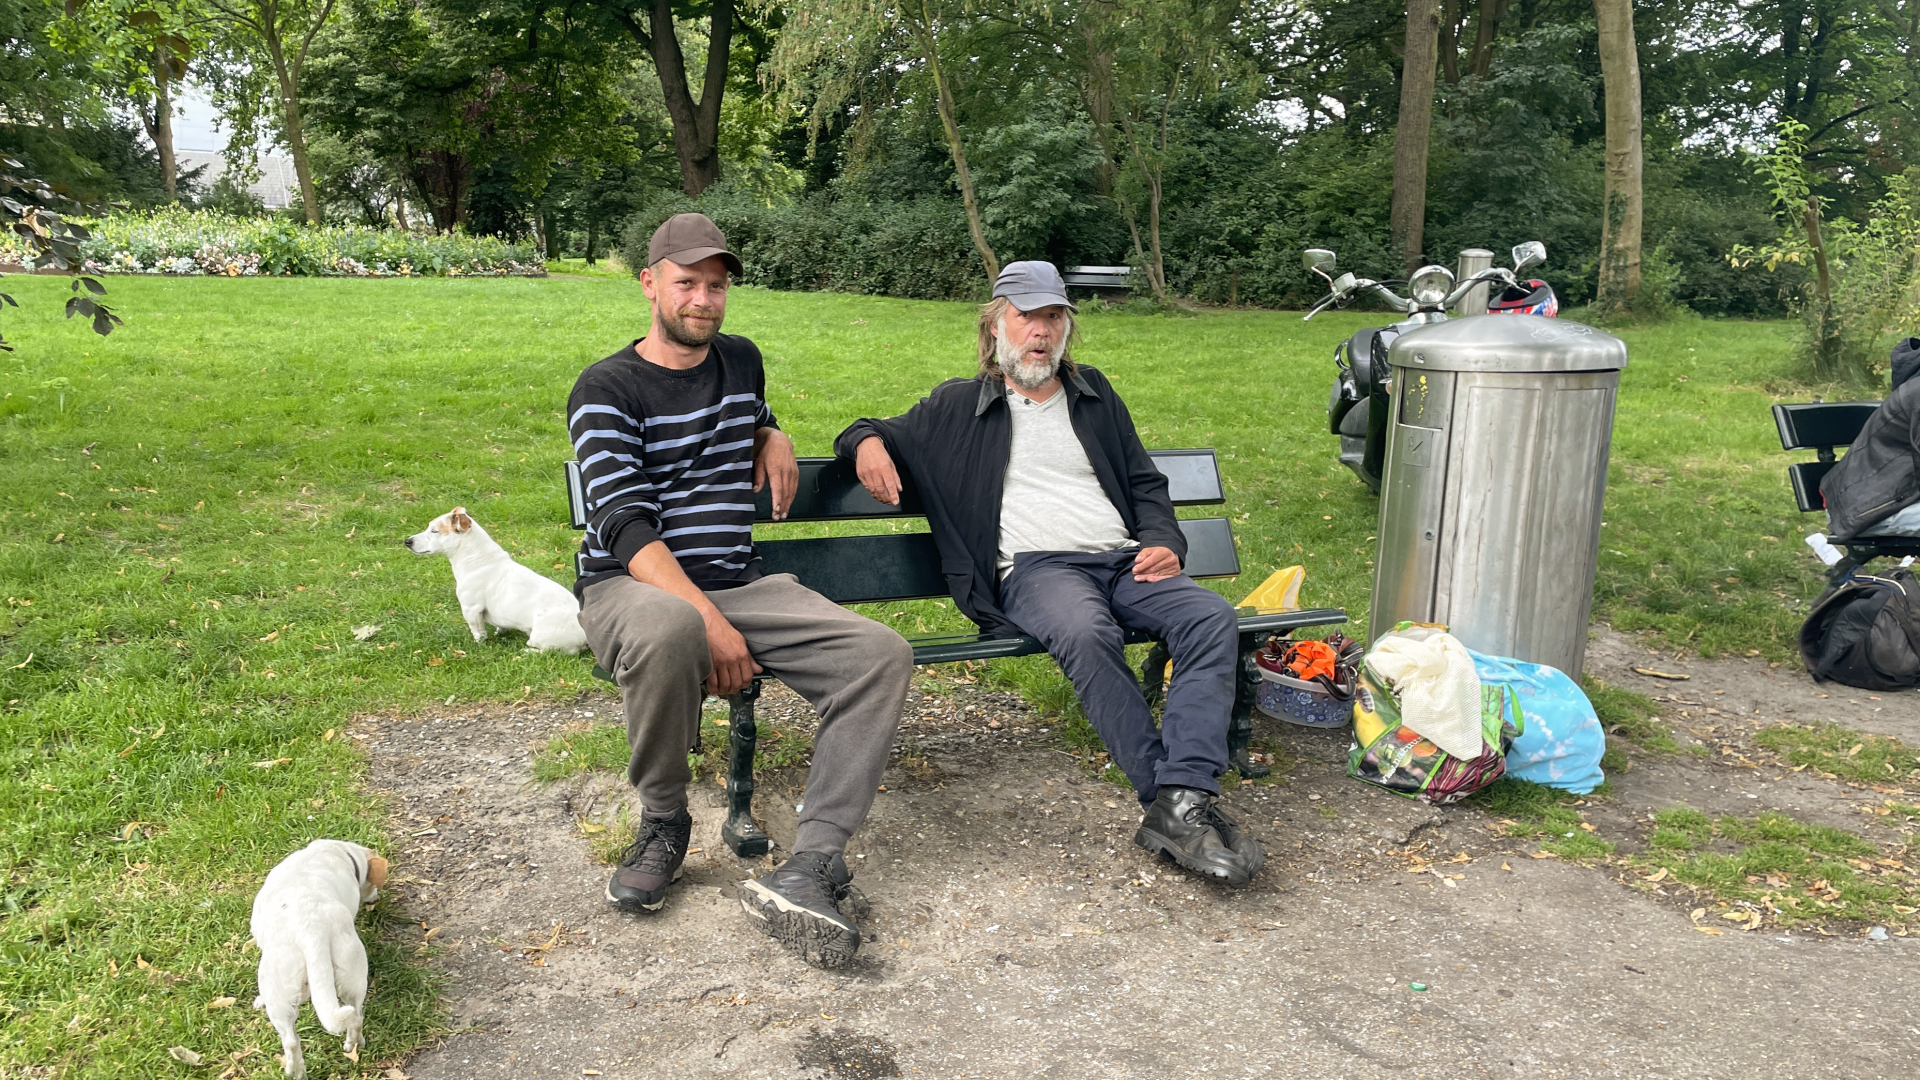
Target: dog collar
(357, 875)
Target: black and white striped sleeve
(623, 508)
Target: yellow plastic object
(1280, 592)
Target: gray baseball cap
(1032, 285)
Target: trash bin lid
(1508, 343)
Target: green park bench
(1821, 426)
(895, 566)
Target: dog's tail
(326, 1000)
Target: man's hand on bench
(773, 463)
(1155, 564)
(874, 466)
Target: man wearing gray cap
(1052, 520)
(674, 436)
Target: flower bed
(183, 242)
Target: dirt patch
(1016, 931)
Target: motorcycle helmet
(1533, 297)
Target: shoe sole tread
(813, 937)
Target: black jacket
(953, 447)
(1880, 474)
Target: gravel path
(1016, 930)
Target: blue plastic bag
(1563, 740)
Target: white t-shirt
(1052, 501)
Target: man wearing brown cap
(674, 436)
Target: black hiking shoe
(1184, 825)
(651, 863)
(798, 905)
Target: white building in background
(277, 186)
(198, 139)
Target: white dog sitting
(303, 923)
(493, 589)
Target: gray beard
(1024, 373)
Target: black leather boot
(1183, 825)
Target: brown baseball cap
(688, 238)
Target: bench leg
(740, 831)
(1240, 730)
(1153, 673)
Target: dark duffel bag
(1866, 633)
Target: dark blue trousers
(1080, 604)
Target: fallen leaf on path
(1505, 867)
(1661, 674)
(183, 1055)
(270, 764)
(1714, 930)
(1661, 875)
(362, 633)
(220, 1003)
(275, 636)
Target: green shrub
(917, 248)
(196, 242)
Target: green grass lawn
(197, 511)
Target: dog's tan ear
(461, 522)
(376, 870)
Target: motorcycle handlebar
(1394, 300)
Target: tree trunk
(590, 239)
(1150, 164)
(290, 125)
(1449, 44)
(162, 129)
(1826, 343)
(696, 125)
(1621, 216)
(1409, 212)
(930, 51)
(1099, 94)
(1485, 28)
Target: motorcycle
(1357, 407)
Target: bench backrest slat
(1805, 477)
(1820, 425)
(906, 566)
(829, 490)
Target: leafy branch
(53, 241)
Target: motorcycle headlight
(1430, 285)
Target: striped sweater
(668, 455)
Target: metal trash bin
(1495, 474)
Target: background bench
(1822, 426)
(1098, 277)
(905, 566)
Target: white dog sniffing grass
(303, 923)
(495, 590)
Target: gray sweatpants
(853, 671)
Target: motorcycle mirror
(1319, 261)
(1529, 255)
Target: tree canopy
(1203, 141)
